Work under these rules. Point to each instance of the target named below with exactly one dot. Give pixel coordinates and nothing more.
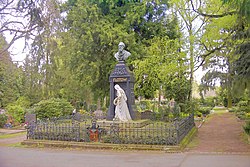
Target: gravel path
(222, 132)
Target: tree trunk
(191, 52)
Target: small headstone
(30, 118)
(77, 116)
(172, 105)
(147, 114)
(99, 114)
(2, 111)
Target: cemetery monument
(121, 79)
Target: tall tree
(226, 38)
(9, 86)
(192, 26)
(98, 26)
(44, 47)
(164, 69)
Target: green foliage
(233, 109)
(3, 119)
(9, 76)
(243, 107)
(205, 110)
(242, 7)
(92, 107)
(16, 111)
(52, 108)
(18, 108)
(164, 68)
(226, 41)
(23, 102)
(243, 104)
(209, 101)
(246, 127)
(243, 110)
(190, 106)
(96, 28)
(145, 105)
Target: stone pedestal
(124, 78)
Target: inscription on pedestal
(120, 80)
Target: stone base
(132, 124)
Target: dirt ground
(221, 132)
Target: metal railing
(149, 132)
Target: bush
(190, 106)
(18, 109)
(3, 119)
(17, 112)
(243, 110)
(144, 105)
(205, 110)
(233, 109)
(92, 107)
(243, 106)
(23, 102)
(247, 128)
(52, 108)
(209, 101)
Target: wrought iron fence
(148, 132)
(153, 133)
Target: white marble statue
(121, 109)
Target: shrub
(242, 103)
(18, 109)
(3, 119)
(209, 101)
(243, 110)
(205, 110)
(243, 106)
(23, 102)
(144, 105)
(92, 107)
(233, 109)
(247, 128)
(190, 106)
(52, 108)
(17, 112)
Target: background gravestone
(147, 115)
(99, 114)
(77, 116)
(30, 118)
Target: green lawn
(5, 136)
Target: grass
(191, 140)
(19, 145)
(194, 143)
(220, 110)
(244, 137)
(5, 136)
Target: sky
(16, 50)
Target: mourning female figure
(121, 109)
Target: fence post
(177, 131)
